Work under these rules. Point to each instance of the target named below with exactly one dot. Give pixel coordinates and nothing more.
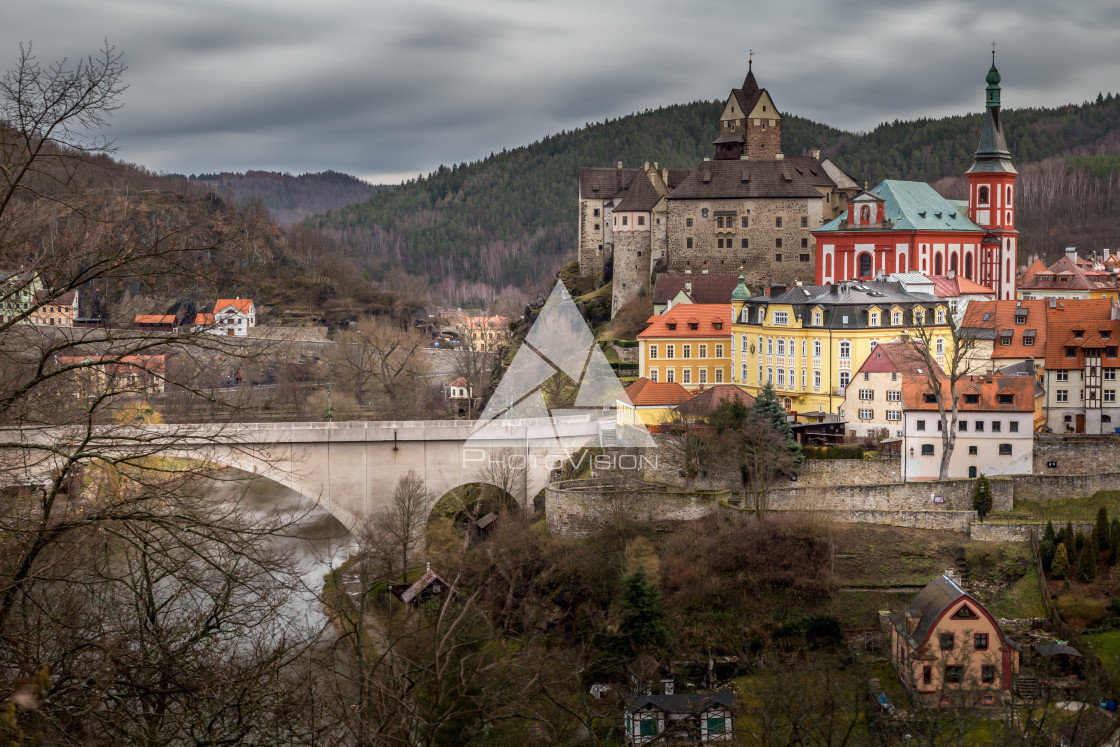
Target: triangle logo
(559, 342)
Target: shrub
(1080, 541)
(1060, 567)
(823, 630)
(1046, 550)
(1113, 541)
(832, 452)
(1102, 529)
(1049, 533)
(980, 557)
(1087, 563)
(1068, 535)
(1079, 607)
(982, 496)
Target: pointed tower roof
(992, 153)
(741, 292)
(749, 83)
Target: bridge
(351, 468)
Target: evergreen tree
(1087, 563)
(1069, 536)
(1049, 533)
(1101, 529)
(1080, 541)
(769, 407)
(982, 496)
(643, 617)
(1114, 541)
(1046, 550)
(1060, 567)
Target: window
(972, 451)
(686, 375)
(817, 378)
(669, 351)
(1013, 426)
(804, 377)
(980, 641)
(759, 374)
(894, 375)
(896, 318)
(1061, 395)
(719, 224)
(703, 351)
(946, 640)
(744, 222)
(781, 317)
(816, 318)
(1109, 395)
(781, 347)
(816, 348)
(987, 671)
(983, 195)
(653, 374)
(894, 396)
(770, 375)
(845, 350)
(688, 243)
(927, 675)
(769, 346)
(719, 242)
(979, 428)
(927, 450)
(953, 672)
(873, 318)
(972, 399)
(931, 399)
(1005, 340)
(894, 415)
(641, 220)
(997, 426)
(866, 394)
(717, 726)
(688, 222)
(703, 372)
(778, 222)
(596, 226)
(845, 377)
(596, 212)
(686, 351)
(719, 350)
(1071, 351)
(865, 265)
(920, 425)
(804, 348)
(670, 375)
(1061, 375)
(867, 376)
(866, 414)
(719, 375)
(1110, 374)
(743, 242)
(648, 727)
(941, 316)
(653, 352)
(625, 218)
(804, 258)
(1005, 449)
(781, 377)
(804, 243)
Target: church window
(983, 195)
(865, 264)
(968, 266)
(744, 243)
(952, 263)
(937, 264)
(1009, 195)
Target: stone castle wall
(1077, 456)
(908, 496)
(591, 257)
(579, 508)
(764, 142)
(989, 532)
(850, 472)
(1062, 487)
(758, 259)
(631, 266)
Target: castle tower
(750, 125)
(991, 197)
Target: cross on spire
(750, 59)
(993, 52)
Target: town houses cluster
(854, 305)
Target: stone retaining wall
(907, 496)
(1076, 455)
(850, 472)
(953, 521)
(988, 532)
(1061, 487)
(578, 508)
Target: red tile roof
(915, 388)
(1028, 275)
(646, 393)
(155, 319)
(999, 316)
(895, 357)
(1078, 278)
(950, 287)
(706, 317)
(241, 304)
(203, 319)
(707, 401)
(1103, 335)
(152, 364)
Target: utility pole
(330, 408)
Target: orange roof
(709, 320)
(708, 400)
(1021, 388)
(241, 304)
(155, 319)
(950, 287)
(646, 393)
(203, 318)
(1041, 314)
(1103, 335)
(1028, 275)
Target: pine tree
(1049, 533)
(643, 617)
(1114, 541)
(770, 407)
(1060, 567)
(1087, 563)
(1069, 536)
(1046, 550)
(982, 496)
(1101, 528)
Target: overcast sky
(386, 90)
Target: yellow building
(689, 344)
(650, 403)
(808, 340)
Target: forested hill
(510, 219)
(290, 198)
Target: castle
(751, 206)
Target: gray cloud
(387, 88)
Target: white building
(873, 399)
(233, 317)
(994, 428)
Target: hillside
(471, 230)
(290, 198)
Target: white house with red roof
(232, 317)
(873, 399)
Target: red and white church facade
(907, 227)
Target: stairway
(608, 435)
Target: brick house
(948, 649)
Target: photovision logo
(559, 342)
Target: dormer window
(671, 325)
(1071, 351)
(931, 399)
(896, 318)
(717, 325)
(761, 314)
(972, 399)
(1078, 333)
(694, 325)
(1105, 334)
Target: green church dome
(741, 293)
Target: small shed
(825, 433)
(482, 528)
(428, 586)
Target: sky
(386, 90)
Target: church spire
(992, 153)
(749, 83)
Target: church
(750, 206)
(904, 226)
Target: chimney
(952, 274)
(667, 687)
(618, 165)
(706, 160)
(1104, 254)
(688, 287)
(815, 153)
(766, 291)
(704, 268)
(645, 166)
(1071, 253)
(834, 289)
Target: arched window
(953, 262)
(865, 214)
(782, 377)
(804, 348)
(1008, 195)
(845, 350)
(865, 265)
(804, 373)
(792, 348)
(781, 347)
(968, 266)
(983, 195)
(769, 376)
(937, 264)
(845, 377)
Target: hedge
(626, 343)
(832, 452)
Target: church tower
(750, 125)
(991, 197)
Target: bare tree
(377, 357)
(396, 532)
(685, 445)
(505, 469)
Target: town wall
(1076, 456)
(952, 521)
(1001, 532)
(578, 508)
(1062, 487)
(908, 496)
(849, 472)
(758, 259)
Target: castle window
(804, 243)
(596, 226)
(688, 222)
(688, 243)
(744, 222)
(641, 220)
(596, 212)
(804, 221)
(804, 257)
(777, 243)
(778, 222)
(778, 257)
(625, 218)
(744, 243)
(719, 222)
